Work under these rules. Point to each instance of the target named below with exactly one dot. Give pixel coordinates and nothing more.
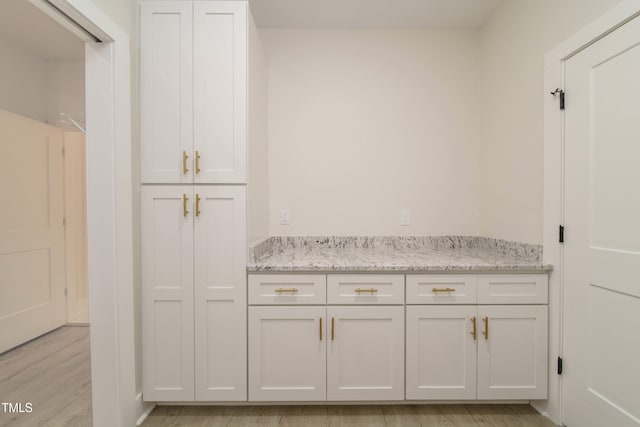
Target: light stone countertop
(410, 254)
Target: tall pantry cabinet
(203, 113)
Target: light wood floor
(53, 373)
(351, 416)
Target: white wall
(65, 89)
(23, 81)
(363, 124)
(513, 43)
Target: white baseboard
(147, 407)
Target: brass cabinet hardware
(333, 328)
(282, 290)
(184, 162)
(372, 290)
(321, 329)
(197, 204)
(486, 327)
(185, 212)
(197, 161)
(475, 327)
(436, 290)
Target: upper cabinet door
(220, 92)
(166, 92)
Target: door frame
(554, 62)
(116, 398)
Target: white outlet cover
(284, 217)
(405, 217)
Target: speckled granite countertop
(395, 253)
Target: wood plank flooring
(53, 373)
(349, 416)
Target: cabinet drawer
(441, 289)
(512, 289)
(365, 289)
(282, 289)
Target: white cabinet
(365, 289)
(193, 80)
(306, 353)
(167, 295)
(512, 352)
(287, 353)
(365, 358)
(441, 352)
(193, 293)
(457, 352)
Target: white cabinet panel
(512, 352)
(365, 359)
(220, 91)
(220, 293)
(167, 294)
(166, 91)
(441, 352)
(441, 289)
(512, 289)
(287, 353)
(286, 289)
(365, 289)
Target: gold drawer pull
(321, 329)
(475, 327)
(448, 290)
(486, 327)
(184, 162)
(197, 204)
(197, 162)
(333, 327)
(282, 290)
(372, 290)
(185, 212)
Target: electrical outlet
(405, 217)
(284, 217)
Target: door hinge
(65, 291)
(561, 234)
(559, 365)
(560, 92)
(63, 150)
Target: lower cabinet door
(287, 353)
(441, 352)
(512, 352)
(365, 357)
(220, 295)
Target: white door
(166, 91)
(75, 205)
(32, 265)
(365, 357)
(441, 352)
(220, 293)
(512, 352)
(167, 293)
(220, 91)
(602, 247)
(287, 353)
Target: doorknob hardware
(321, 329)
(184, 162)
(197, 161)
(282, 290)
(486, 328)
(185, 212)
(333, 329)
(475, 327)
(437, 290)
(372, 290)
(197, 204)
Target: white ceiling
(25, 25)
(372, 14)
